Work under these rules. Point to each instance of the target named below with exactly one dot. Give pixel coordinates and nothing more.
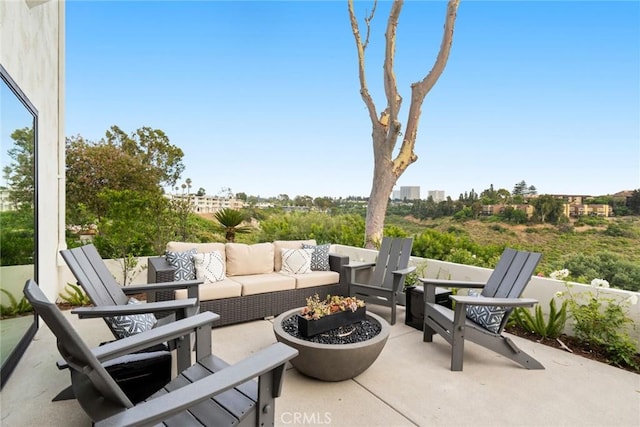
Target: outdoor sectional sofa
(255, 283)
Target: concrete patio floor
(409, 385)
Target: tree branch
(367, 21)
(420, 89)
(364, 91)
(390, 84)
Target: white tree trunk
(386, 126)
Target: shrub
(620, 229)
(448, 247)
(551, 327)
(606, 265)
(344, 229)
(74, 295)
(593, 221)
(603, 321)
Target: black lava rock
(350, 334)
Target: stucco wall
(32, 52)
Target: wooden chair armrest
(155, 410)
(377, 290)
(150, 289)
(360, 265)
(405, 271)
(123, 310)
(451, 283)
(181, 284)
(161, 334)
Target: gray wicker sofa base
(245, 308)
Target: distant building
(395, 195)
(578, 209)
(436, 195)
(410, 193)
(209, 204)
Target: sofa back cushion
(201, 248)
(278, 245)
(245, 259)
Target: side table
(414, 313)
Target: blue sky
(263, 97)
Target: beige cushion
(200, 248)
(226, 288)
(261, 283)
(278, 245)
(245, 259)
(296, 261)
(316, 278)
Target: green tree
(153, 148)
(17, 235)
(520, 189)
(125, 230)
(513, 215)
(19, 174)
(489, 196)
(306, 201)
(633, 203)
(94, 167)
(323, 203)
(548, 208)
(182, 206)
(503, 196)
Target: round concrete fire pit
(333, 362)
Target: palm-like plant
(230, 221)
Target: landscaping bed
(575, 346)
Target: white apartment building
(410, 193)
(437, 195)
(209, 204)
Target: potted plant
(334, 311)
(411, 281)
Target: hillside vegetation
(558, 244)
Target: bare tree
(386, 126)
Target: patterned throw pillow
(183, 263)
(125, 326)
(210, 267)
(489, 317)
(319, 257)
(296, 261)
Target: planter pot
(401, 298)
(309, 328)
(333, 362)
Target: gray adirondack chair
(111, 300)
(194, 397)
(481, 319)
(386, 275)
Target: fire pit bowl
(333, 362)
